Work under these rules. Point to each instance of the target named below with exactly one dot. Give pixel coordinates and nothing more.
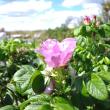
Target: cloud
(39, 14)
(94, 1)
(69, 3)
(92, 8)
(89, 7)
(24, 6)
(49, 19)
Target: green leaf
(38, 99)
(62, 106)
(97, 88)
(38, 107)
(44, 107)
(76, 31)
(106, 60)
(101, 32)
(84, 90)
(60, 103)
(22, 78)
(108, 88)
(88, 29)
(83, 30)
(31, 107)
(105, 75)
(78, 84)
(8, 107)
(38, 82)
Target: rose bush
(68, 75)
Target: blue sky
(43, 14)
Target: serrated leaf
(60, 103)
(38, 107)
(38, 99)
(8, 107)
(63, 106)
(31, 107)
(22, 78)
(97, 88)
(44, 107)
(105, 75)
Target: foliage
(60, 33)
(13, 54)
(83, 83)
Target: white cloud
(24, 6)
(44, 18)
(49, 19)
(92, 8)
(89, 7)
(69, 3)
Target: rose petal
(68, 44)
(57, 54)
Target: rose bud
(49, 89)
(87, 20)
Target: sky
(43, 14)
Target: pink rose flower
(57, 54)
